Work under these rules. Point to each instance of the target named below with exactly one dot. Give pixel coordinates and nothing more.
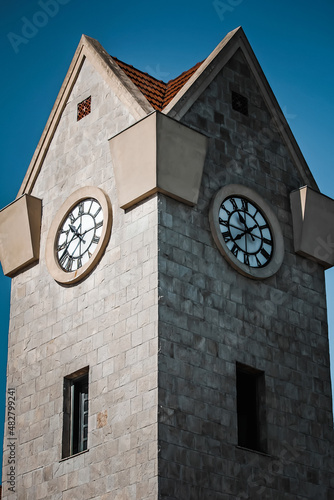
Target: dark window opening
(240, 103)
(251, 408)
(75, 424)
(84, 108)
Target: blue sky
(294, 42)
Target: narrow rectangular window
(251, 408)
(240, 103)
(75, 418)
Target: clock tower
(168, 334)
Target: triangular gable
(121, 84)
(143, 94)
(210, 68)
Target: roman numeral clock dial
(246, 231)
(248, 235)
(78, 235)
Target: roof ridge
(157, 92)
(174, 85)
(197, 65)
(136, 69)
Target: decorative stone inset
(313, 225)
(20, 227)
(158, 154)
(84, 108)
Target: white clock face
(79, 235)
(246, 231)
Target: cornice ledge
(158, 154)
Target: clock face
(79, 235)
(246, 231)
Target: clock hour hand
(247, 230)
(239, 236)
(76, 232)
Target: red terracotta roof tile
(173, 86)
(157, 92)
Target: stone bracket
(158, 154)
(313, 225)
(20, 229)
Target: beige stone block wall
(107, 322)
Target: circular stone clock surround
(56, 271)
(276, 259)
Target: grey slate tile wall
(211, 317)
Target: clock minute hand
(75, 234)
(79, 243)
(74, 231)
(242, 220)
(65, 251)
(239, 236)
(248, 231)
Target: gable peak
(157, 92)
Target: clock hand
(242, 219)
(81, 238)
(248, 231)
(87, 230)
(79, 243)
(76, 232)
(239, 236)
(65, 251)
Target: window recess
(75, 414)
(251, 408)
(240, 103)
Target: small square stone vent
(84, 108)
(240, 103)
